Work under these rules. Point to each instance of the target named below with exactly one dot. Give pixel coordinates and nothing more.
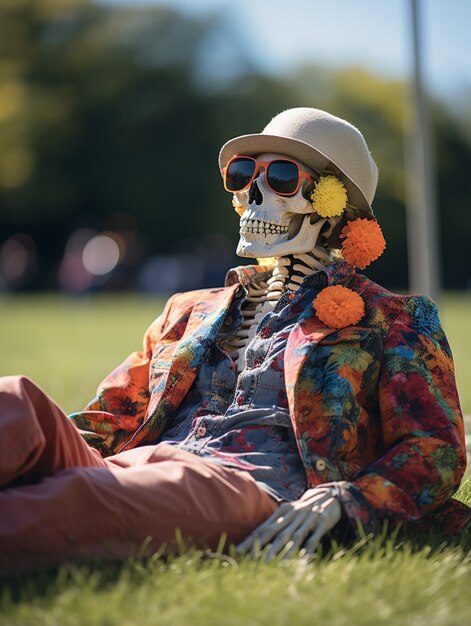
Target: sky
(376, 34)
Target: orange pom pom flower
(339, 307)
(364, 242)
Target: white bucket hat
(320, 141)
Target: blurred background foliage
(110, 126)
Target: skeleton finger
(315, 538)
(250, 540)
(267, 530)
(286, 535)
(301, 533)
(327, 520)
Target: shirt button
(201, 431)
(320, 465)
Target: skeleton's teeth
(260, 227)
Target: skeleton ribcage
(288, 274)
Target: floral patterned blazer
(374, 406)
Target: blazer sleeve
(421, 423)
(120, 405)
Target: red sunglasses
(283, 176)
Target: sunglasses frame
(262, 164)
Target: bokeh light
(101, 255)
(18, 261)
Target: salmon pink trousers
(61, 501)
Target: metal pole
(421, 212)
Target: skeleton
(285, 229)
(288, 230)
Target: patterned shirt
(244, 421)
(374, 407)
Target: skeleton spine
(288, 274)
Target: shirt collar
(337, 273)
(246, 274)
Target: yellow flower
(329, 197)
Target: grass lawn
(455, 313)
(68, 345)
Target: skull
(272, 225)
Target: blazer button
(320, 465)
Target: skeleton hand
(301, 523)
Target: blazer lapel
(203, 326)
(306, 334)
(169, 386)
(309, 332)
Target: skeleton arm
(297, 525)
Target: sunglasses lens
(283, 176)
(239, 173)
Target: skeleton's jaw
(260, 239)
(273, 225)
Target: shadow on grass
(98, 576)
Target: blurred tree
(97, 112)
(107, 110)
(452, 151)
